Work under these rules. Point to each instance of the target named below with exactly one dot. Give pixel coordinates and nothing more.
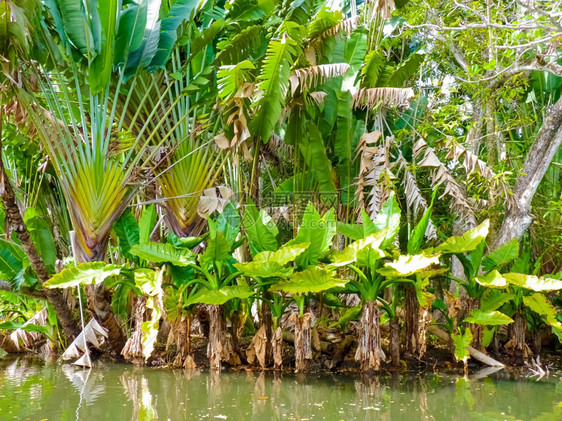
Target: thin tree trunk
(369, 343)
(395, 342)
(30, 292)
(540, 155)
(14, 217)
(411, 319)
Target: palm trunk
(303, 341)
(369, 345)
(15, 219)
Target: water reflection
(33, 390)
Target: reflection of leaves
(463, 392)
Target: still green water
(34, 390)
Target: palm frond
(384, 97)
(441, 175)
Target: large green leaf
(488, 318)
(319, 166)
(364, 251)
(163, 253)
(41, 235)
(407, 265)
(501, 255)
(466, 242)
(388, 218)
(76, 25)
(492, 299)
(180, 11)
(102, 65)
(285, 254)
(351, 231)
(533, 282)
(10, 264)
(83, 274)
(316, 230)
(260, 228)
(492, 280)
(461, 343)
(267, 269)
(228, 222)
(218, 249)
(418, 234)
(540, 305)
(221, 296)
(274, 83)
(146, 223)
(311, 280)
(127, 230)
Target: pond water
(35, 390)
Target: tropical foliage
(280, 170)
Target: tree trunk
(395, 342)
(520, 351)
(219, 348)
(411, 311)
(133, 348)
(476, 329)
(369, 343)
(181, 329)
(99, 299)
(15, 219)
(277, 346)
(518, 217)
(303, 341)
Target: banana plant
(519, 295)
(270, 263)
(307, 277)
(365, 257)
(212, 280)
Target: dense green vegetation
(281, 171)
